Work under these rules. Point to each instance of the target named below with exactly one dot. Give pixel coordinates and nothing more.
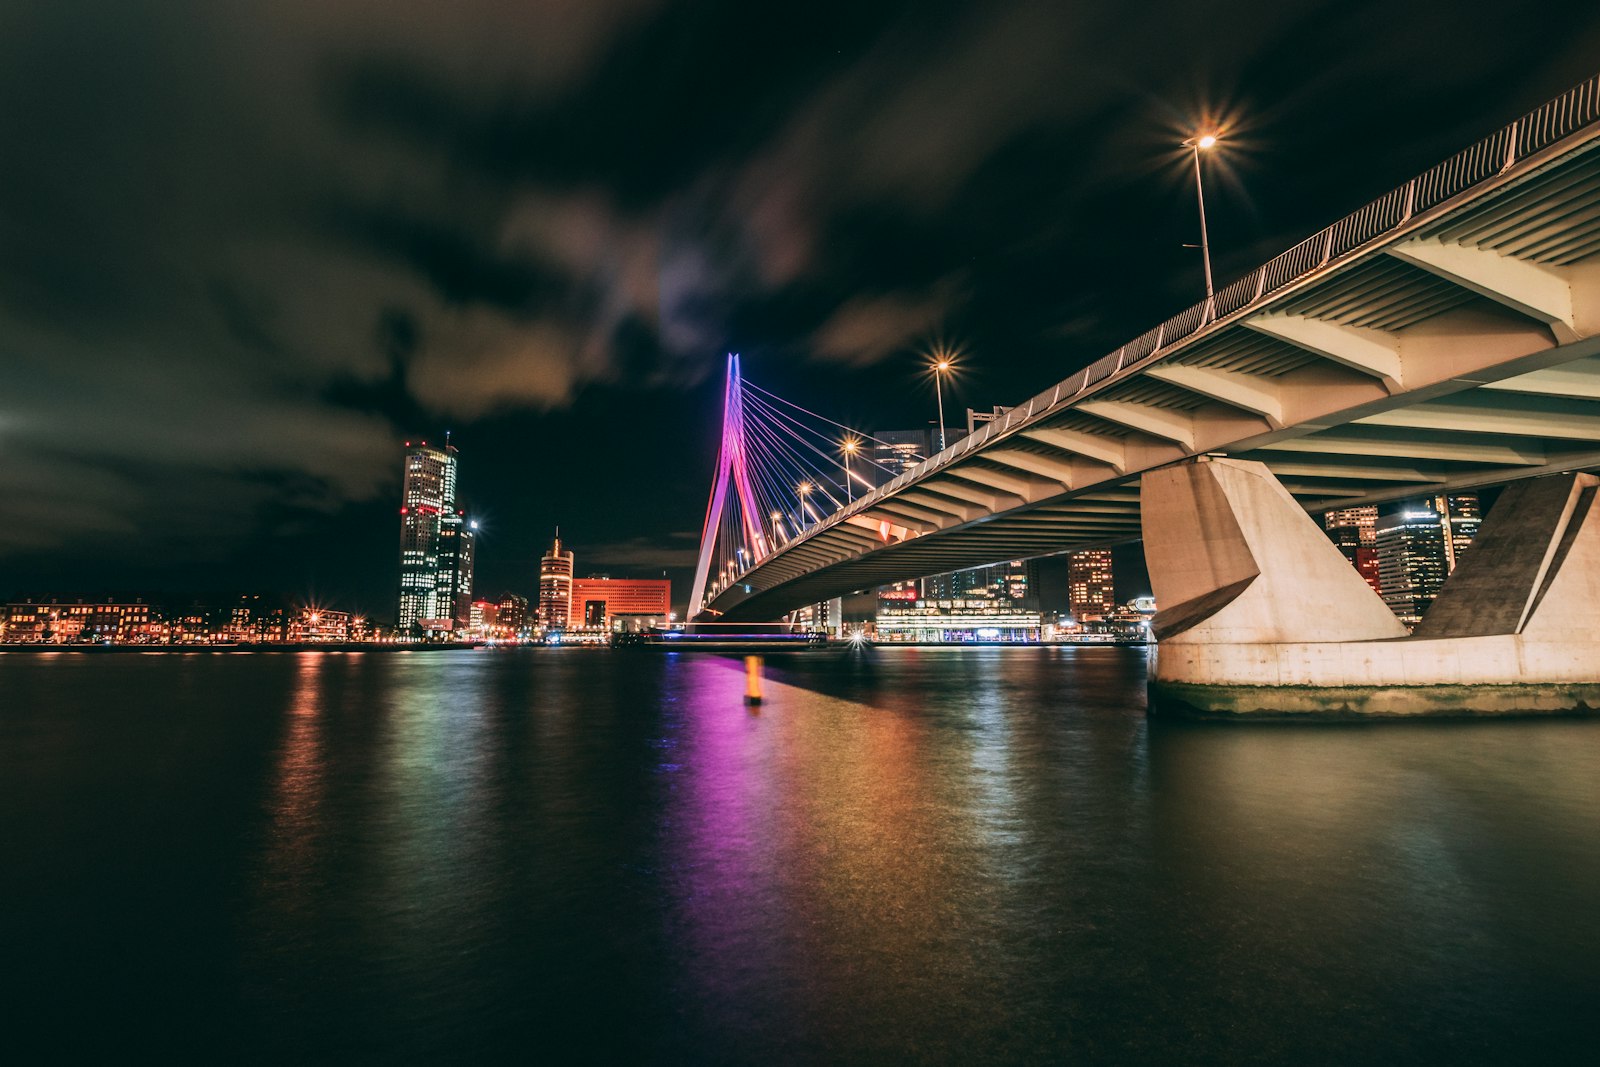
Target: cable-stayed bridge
(1446, 335)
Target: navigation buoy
(752, 680)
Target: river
(937, 855)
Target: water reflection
(295, 840)
(946, 856)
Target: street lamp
(849, 447)
(1196, 145)
(804, 489)
(940, 364)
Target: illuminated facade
(77, 622)
(453, 581)
(511, 612)
(1355, 532)
(953, 621)
(1419, 543)
(1091, 591)
(428, 494)
(555, 586)
(595, 602)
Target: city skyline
(340, 271)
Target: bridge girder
(1460, 349)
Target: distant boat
(750, 640)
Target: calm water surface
(928, 855)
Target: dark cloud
(246, 250)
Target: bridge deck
(1445, 336)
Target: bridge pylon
(732, 474)
(1262, 616)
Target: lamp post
(940, 366)
(849, 448)
(1196, 145)
(804, 489)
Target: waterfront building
(825, 616)
(1418, 544)
(1355, 532)
(1091, 590)
(953, 621)
(511, 613)
(596, 601)
(427, 495)
(55, 622)
(319, 626)
(555, 586)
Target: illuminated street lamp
(804, 489)
(849, 447)
(940, 364)
(1196, 145)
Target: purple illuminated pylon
(732, 464)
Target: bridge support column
(1262, 616)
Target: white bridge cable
(809, 470)
(866, 436)
(787, 465)
(782, 452)
(773, 412)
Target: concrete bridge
(1445, 336)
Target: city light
(941, 364)
(849, 446)
(1198, 144)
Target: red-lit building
(597, 601)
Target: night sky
(247, 250)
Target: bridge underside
(1460, 348)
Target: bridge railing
(1544, 127)
(1541, 128)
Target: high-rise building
(1016, 581)
(893, 452)
(1354, 531)
(1091, 592)
(1419, 542)
(955, 584)
(453, 581)
(427, 495)
(555, 586)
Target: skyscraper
(427, 494)
(1091, 593)
(555, 586)
(436, 543)
(1419, 543)
(453, 581)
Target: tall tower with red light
(427, 496)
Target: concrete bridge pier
(1263, 616)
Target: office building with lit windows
(1091, 592)
(511, 612)
(435, 542)
(457, 537)
(1419, 542)
(1354, 531)
(595, 602)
